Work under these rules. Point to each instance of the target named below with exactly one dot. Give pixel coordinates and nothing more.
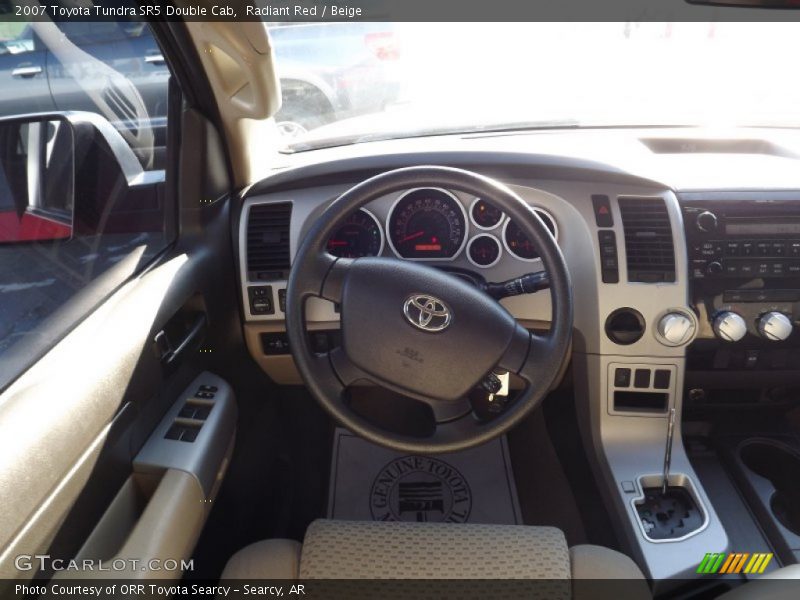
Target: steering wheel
(420, 331)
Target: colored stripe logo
(734, 562)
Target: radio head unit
(743, 239)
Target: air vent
(648, 240)
(268, 241)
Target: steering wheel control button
(775, 326)
(602, 211)
(641, 378)
(427, 313)
(675, 328)
(729, 326)
(622, 378)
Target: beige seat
(381, 550)
(369, 550)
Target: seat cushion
(776, 585)
(390, 550)
(592, 563)
(269, 559)
(370, 550)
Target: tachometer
(360, 235)
(427, 223)
(518, 244)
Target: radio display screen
(786, 226)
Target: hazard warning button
(602, 211)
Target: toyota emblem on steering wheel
(427, 312)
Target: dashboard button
(734, 296)
(709, 249)
(747, 269)
(610, 276)
(763, 248)
(794, 249)
(706, 221)
(747, 249)
(661, 379)
(778, 249)
(793, 268)
(610, 262)
(602, 211)
(732, 249)
(731, 268)
(641, 378)
(622, 378)
(698, 269)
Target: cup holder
(780, 465)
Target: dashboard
(622, 205)
(683, 248)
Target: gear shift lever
(668, 451)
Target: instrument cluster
(433, 224)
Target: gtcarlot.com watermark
(44, 562)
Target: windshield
(350, 82)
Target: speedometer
(427, 223)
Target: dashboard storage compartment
(641, 401)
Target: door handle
(154, 59)
(26, 71)
(170, 351)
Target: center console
(744, 271)
(743, 251)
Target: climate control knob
(706, 221)
(730, 326)
(675, 328)
(775, 326)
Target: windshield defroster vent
(648, 240)
(268, 240)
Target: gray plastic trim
(205, 456)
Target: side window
(74, 226)
(16, 38)
(118, 71)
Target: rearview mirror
(37, 179)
